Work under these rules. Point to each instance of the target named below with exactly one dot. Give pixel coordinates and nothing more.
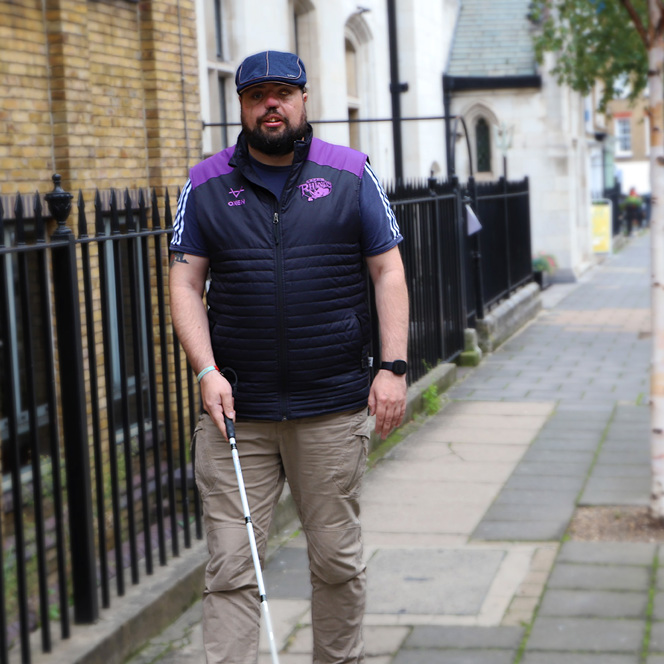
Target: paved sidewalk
(465, 519)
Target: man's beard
(275, 143)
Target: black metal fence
(96, 477)
(505, 261)
(456, 275)
(97, 401)
(431, 221)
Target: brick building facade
(104, 93)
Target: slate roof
(493, 39)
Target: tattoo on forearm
(178, 257)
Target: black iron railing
(96, 476)
(431, 221)
(503, 209)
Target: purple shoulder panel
(337, 156)
(212, 167)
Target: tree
(619, 43)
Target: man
(286, 225)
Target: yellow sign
(601, 226)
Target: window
(14, 370)
(219, 28)
(216, 71)
(352, 95)
(483, 145)
(218, 110)
(623, 130)
(300, 32)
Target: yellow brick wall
(26, 140)
(95, 92)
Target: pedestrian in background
(632, 208)
(287, 225)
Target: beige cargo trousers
(323, 458)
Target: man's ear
(305, 96)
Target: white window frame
(214, 66)
(619, 126)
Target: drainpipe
(449, 144)
(396, 88)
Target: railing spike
(156, 221)
(82, 221)
(40, 231)
(18, 215)
(2, 224)
(142, 212)
(115, 222)
(99, 219)
(168, 215)
(129, 216)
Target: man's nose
(271, 99)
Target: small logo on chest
(315, 188)
(236, 193)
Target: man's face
(273, 117)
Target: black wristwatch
(398, 367)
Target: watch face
(399, 367)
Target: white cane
(230, 431)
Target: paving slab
(534, 497)
(587, 634)
(287, 574)
(412, 490)
(594, 604)
(579, 658)
(451, 656)
(556, 468)
(620, 470)
(504, 408)
(608, 553)
(658, 606)
(562, 484)
(657, 637)
(529, 512)
(539, 454)
(465, 637)
(524, 531)
(443, 581)
(450, 471)
(435, 517)
(597, 497)
(600, 577)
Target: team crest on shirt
(315, 188)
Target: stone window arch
(482, 145)
(480, 120)
(359, 82)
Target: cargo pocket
(353, 458)
(205, 472)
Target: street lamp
(503, 138)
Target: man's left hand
(387, 401)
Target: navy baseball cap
(270, 67)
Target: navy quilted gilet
(288, 292)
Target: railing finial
(59, 205)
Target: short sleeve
(186, 234)
(380, 229)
